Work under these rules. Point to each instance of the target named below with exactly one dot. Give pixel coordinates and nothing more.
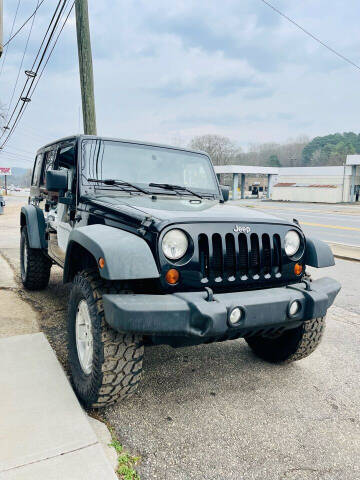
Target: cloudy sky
(166, 71)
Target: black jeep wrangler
(156, 256)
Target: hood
(175, 209)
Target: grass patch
(126, 462)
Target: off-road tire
(37, 272)
(291, 345)
(117, 357)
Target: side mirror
(225, 192)
(56, 180)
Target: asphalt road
(216, 412)
(333, 223)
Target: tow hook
(210, 294)
(307, 284)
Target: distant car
(156, 256)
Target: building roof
(326, 171)
(353, 160)
(247, 169)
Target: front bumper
(192, 315)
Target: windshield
(143, 164)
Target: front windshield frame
(87, 187)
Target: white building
(305, 184)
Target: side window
(37, 170)
(49, 163)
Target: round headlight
(292, 243)
(175, 244)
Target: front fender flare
(33, 218)
(127, 256)
(318, 254)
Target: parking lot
(216, 412)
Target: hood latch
(145, 224)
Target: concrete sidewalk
(44, 433)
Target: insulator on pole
(30, 74)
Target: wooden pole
(85, 67)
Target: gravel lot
(216, 412)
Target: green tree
(331, 149)
(274, 161)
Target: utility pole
(85, 66)
(1, 27)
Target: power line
(30, 93)
(14, 150)
(311, 35)
(19, 152)
(30, 79)
(11, 158)
(23, 25)
(12, 29)
(54, 45)
(25, 97)
(23, 57)
(4, 159)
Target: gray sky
(166, 71)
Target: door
(60, 216)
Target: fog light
(294, 308)
(235, 316)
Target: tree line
(299, 152)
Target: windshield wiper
(118, 183)
(175, 188)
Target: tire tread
(38, 267)
(120, 355)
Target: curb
(345, 251)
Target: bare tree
(221, 150)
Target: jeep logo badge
(240, 229)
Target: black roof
(136, 142)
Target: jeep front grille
(239, 257)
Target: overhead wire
(28, 79)
(23, 25)
(335, 52)
(38, 77)
(22, 59)
(26, 93)
(15, 153)
(54, 45)
(12, 29)
(17, 149)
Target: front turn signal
(298, 269)
(101, 262)
(172, 276)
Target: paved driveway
(216, 412)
